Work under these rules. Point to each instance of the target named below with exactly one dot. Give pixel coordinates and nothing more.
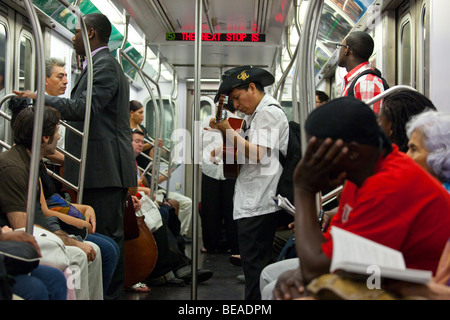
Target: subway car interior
(174, 52)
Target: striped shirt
(366, 88)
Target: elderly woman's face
(417, 150)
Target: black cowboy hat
(242, 75)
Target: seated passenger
(14, 177)
(397, 110)
(387, 198)
(167, 209)
(181, 203)
(43, 282)
(173, 267)
(429, 144)
(108, 247)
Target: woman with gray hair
(429, 143)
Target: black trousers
(256, 236)
(217, 214)
(109, 205)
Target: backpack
(375, 72)
(285, 186)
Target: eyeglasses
(342, 45)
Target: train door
(17, 58)
(413, 44)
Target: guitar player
(266, 132)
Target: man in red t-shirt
(387, 197)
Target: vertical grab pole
(305, 64)
(172, 112)
(197, 91)
(38, 120)
(87, 117)
(90, 76)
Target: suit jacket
(110, 160)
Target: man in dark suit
(110, 167)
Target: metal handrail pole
(388, 92)
(87, 117)
(195, 170)
(302, 42)
(90, 77)
(7, 146)
(331, 194)
(7, 97)
(280, 83)
(160, 126)
(305, 63)
(144, 78)
(38, 120)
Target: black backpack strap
(375, 72)
(281, 157)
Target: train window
(150, 121)
(333, 26)
(405, 51)
(206, 109)
(26, 62)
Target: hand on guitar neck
(221, 121)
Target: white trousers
(270, 274)
(86, 277)
(185, 212)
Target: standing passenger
(217, 197)
(354, 55)
(267, 133)
(110, 167)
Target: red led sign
(227, 37)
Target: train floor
(223, 285)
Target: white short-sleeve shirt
(256, 184)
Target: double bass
(230, 151)
(141, 251)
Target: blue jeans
(110, 256)
(44, 283)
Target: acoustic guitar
(230, 163)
